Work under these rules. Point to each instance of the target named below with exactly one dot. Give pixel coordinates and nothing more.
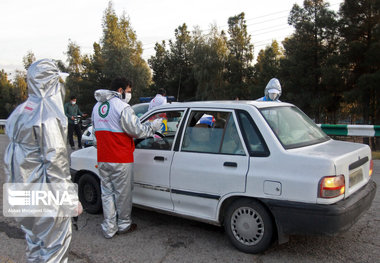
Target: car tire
(249, 226)
(90, 193)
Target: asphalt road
(163, 238)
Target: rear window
(292, 127)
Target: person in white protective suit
(37, 155)
(116, 124)
(158, 100)
(272, 91)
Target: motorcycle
(84, 123)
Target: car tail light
(370, 168)
(331, 186)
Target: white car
(263, 170)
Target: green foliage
(239, 69)
(20, 87)
(5, 95)
(329, 67)
(266, 68)
(121, 53)
(28, 59)
(160, 64)
(360, 55)
(209, 58)
(118, 54)
(209, 66)
(306, 63)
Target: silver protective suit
(120, 125)
(37, 153)
(273, 84)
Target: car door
(152, 160)
(211, 162)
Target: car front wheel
(248, 226)
(90, 194)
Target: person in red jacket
(116, 124)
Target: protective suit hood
(46, 93)
(44, 79)
(273, 84)
(103, 95)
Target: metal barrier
(351, 130)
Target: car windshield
(140, 109)
(292, 127)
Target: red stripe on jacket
(114, 147)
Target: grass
(376, 155)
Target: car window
(212, 132)
(254, 141)
(231, 140)
(170, 125)
(292, 127)
(140, 109)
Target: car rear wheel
(248, 226)
(90, 194)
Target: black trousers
(75, 128)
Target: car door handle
(159, 158)
(230, 164)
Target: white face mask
(128, 97)
(273, 96)
(73, 102)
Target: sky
(45, 27)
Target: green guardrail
(351, 130)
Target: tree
(360, 49)
(182, 82)
(159, 64)
(209, 59)
(121, 52)
(239, 68)
(266, 68)
(74, 59)
(6, 99)
(75, 68)
(20, 88)
(28, 59)
(94, 68)
(306, 62)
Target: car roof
(225, 103)
(140, 104)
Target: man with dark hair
(159, 99)
(120, 82)
(115, 126)
(72, 111)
